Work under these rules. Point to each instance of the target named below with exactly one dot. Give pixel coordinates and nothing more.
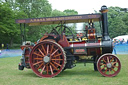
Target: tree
(35, 9)
(57, 13)
(70, 12)
(117, 26)
(125, 20)
(7, 23)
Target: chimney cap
(104, 7)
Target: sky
(86, 6)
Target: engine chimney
(104, 11)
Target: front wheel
(95, 63)
(108, 65)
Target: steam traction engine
(59, 49)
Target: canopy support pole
(21, 33)
(24, 34)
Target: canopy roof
(122, 37)
(60, 19)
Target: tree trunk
(11, 42)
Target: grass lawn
(79, 75)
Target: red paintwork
(89, 46)
(63, 42)
(80, 51)
(91, 34)
(24, 46)
(83, 44)
(77, 44)
(93, 44)
(94, 51)
(26, 55)
(45, 36)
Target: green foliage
(97, 25)
(35, 9)
(70, 12)
(21, 9)
(7, 23)
(57, 13)
(118, 22)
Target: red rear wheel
(108, 65)
(47, 59)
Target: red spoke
(116, 66)
(47, 69)
(102, 68)
(51, 69)
(40, 65)
(108, 59)
(109, 71)
(57, 55)
(47, 49)
(54, 52)
(111, 60)
(104, 61)
(41, 52)
(56, 63)
(114, 63)
(56, 59)
(105, 71)
(37, 54)
(53, 66)
(102, 64)
(113, 69)
(51, 49)
(38, 58)
(42, 70)
(38, 62)
(43, 49)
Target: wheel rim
(108, 65)
(47, 59)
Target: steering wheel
(62, 29)
(54, 31)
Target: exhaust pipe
(104, 11)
